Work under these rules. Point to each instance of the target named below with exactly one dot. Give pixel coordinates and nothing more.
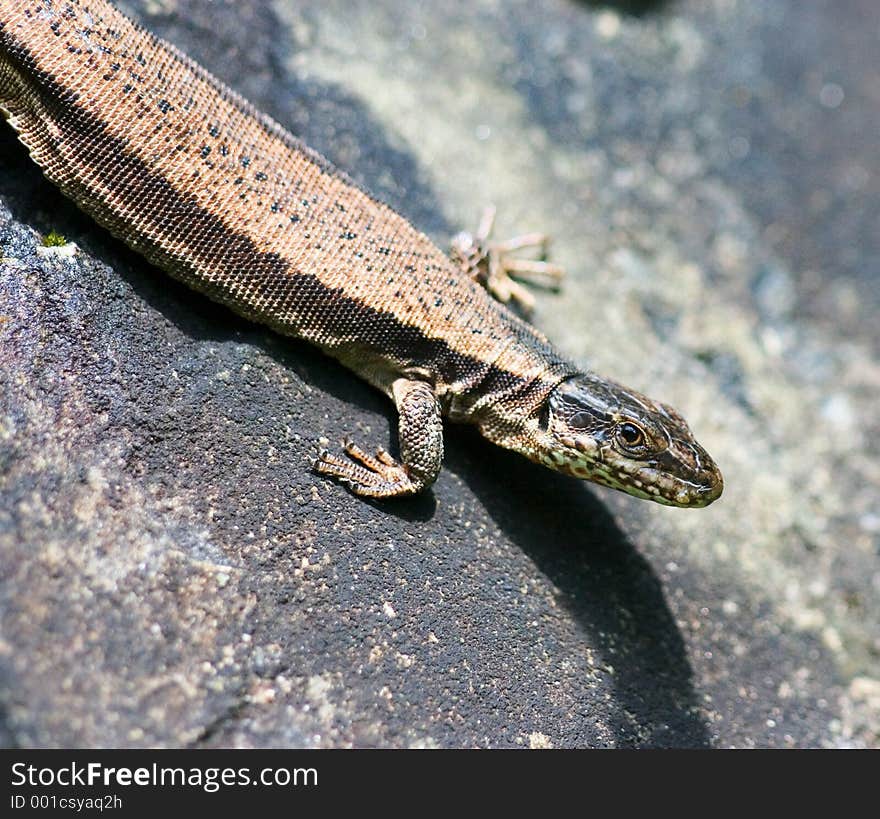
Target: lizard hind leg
(420, 431)
(493, 264)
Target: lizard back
(220, 196)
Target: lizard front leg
(420, 432)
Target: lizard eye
(630, 435)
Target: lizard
(220, 196)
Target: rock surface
(172, 574)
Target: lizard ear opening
(544, 416)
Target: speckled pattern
(172, 575)
(223, 198)
(226, 200)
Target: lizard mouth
(697, 490)
(691, 492)
(695, 495)
(709, 491)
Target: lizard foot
(370, 476)
(492, 264)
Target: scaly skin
(223, 198)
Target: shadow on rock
(606, 585)
(635, 8)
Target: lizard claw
(376, 476)
(493, 265)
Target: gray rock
(172, 574)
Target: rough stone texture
(172, 574)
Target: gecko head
(594, 429)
